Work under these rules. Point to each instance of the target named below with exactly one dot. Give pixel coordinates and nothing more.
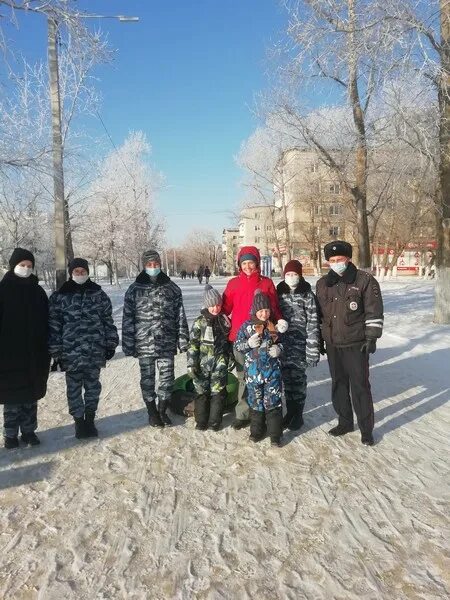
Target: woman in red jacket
(237, 302)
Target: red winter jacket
(238, 295)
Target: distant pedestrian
(352, 321)
(82, 338)
(207, 274)
(154, 327)
(24, 356)
(200, 272)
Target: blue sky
(187, 75)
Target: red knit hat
(294, 266)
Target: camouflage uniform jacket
(299, 309)
(351, 307)
(154, 323)
(259, 366)
(81, 327)
(208, 341)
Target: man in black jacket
(352, 320)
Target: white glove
(275, 351)
(282, 326)
(254, 341)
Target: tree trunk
(442, 292)
(58, 172)
(360, 189)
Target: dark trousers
(19, 416)
(349, 369)
(165, 366)
(89, 379)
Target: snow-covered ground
(149, 514)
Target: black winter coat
(351, 307)
(24, 356)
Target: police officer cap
(337, 248)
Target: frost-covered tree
(121, 218)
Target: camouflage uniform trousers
(213, 377)
(89, 379)
(19, 416)
(166, 378)
(294, 384)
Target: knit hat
(78, 263)
(18, 255)
(260, 301)
(293, 266)
(248, 256)
(211, 297)
(337, 248)
(150, 255)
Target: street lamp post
(58, 164)
(58, 171)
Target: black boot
(11, 442)
(91, 429)
(257, 425)
(201, 411)
(290, 409)
(162, 409)
(297, 418)
(274, 420)
(216, 411)
(340, 430)
(80, 428)
(30, 439)
(154, 418)
(367, 439)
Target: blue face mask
(153, 271)
(339, 267)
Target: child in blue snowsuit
(259, 341)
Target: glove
(109, 353)
(275, 351)
(322, 347)
(254, 341)
(369, 346)
(282, 326)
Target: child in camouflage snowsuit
(154, 326)
(82, 338)
(259, 341)
(208, 360)
(300, 343)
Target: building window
(317, 209)
(269, 227)
(335, 209)
(257, 240)
(334, 231)
(335, 188)
(257, 227)
(314, 167)
(257, 215)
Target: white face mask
(339, 267)
(80, 279)
(292, 280)
(22, 271)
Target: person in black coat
(24, 356)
